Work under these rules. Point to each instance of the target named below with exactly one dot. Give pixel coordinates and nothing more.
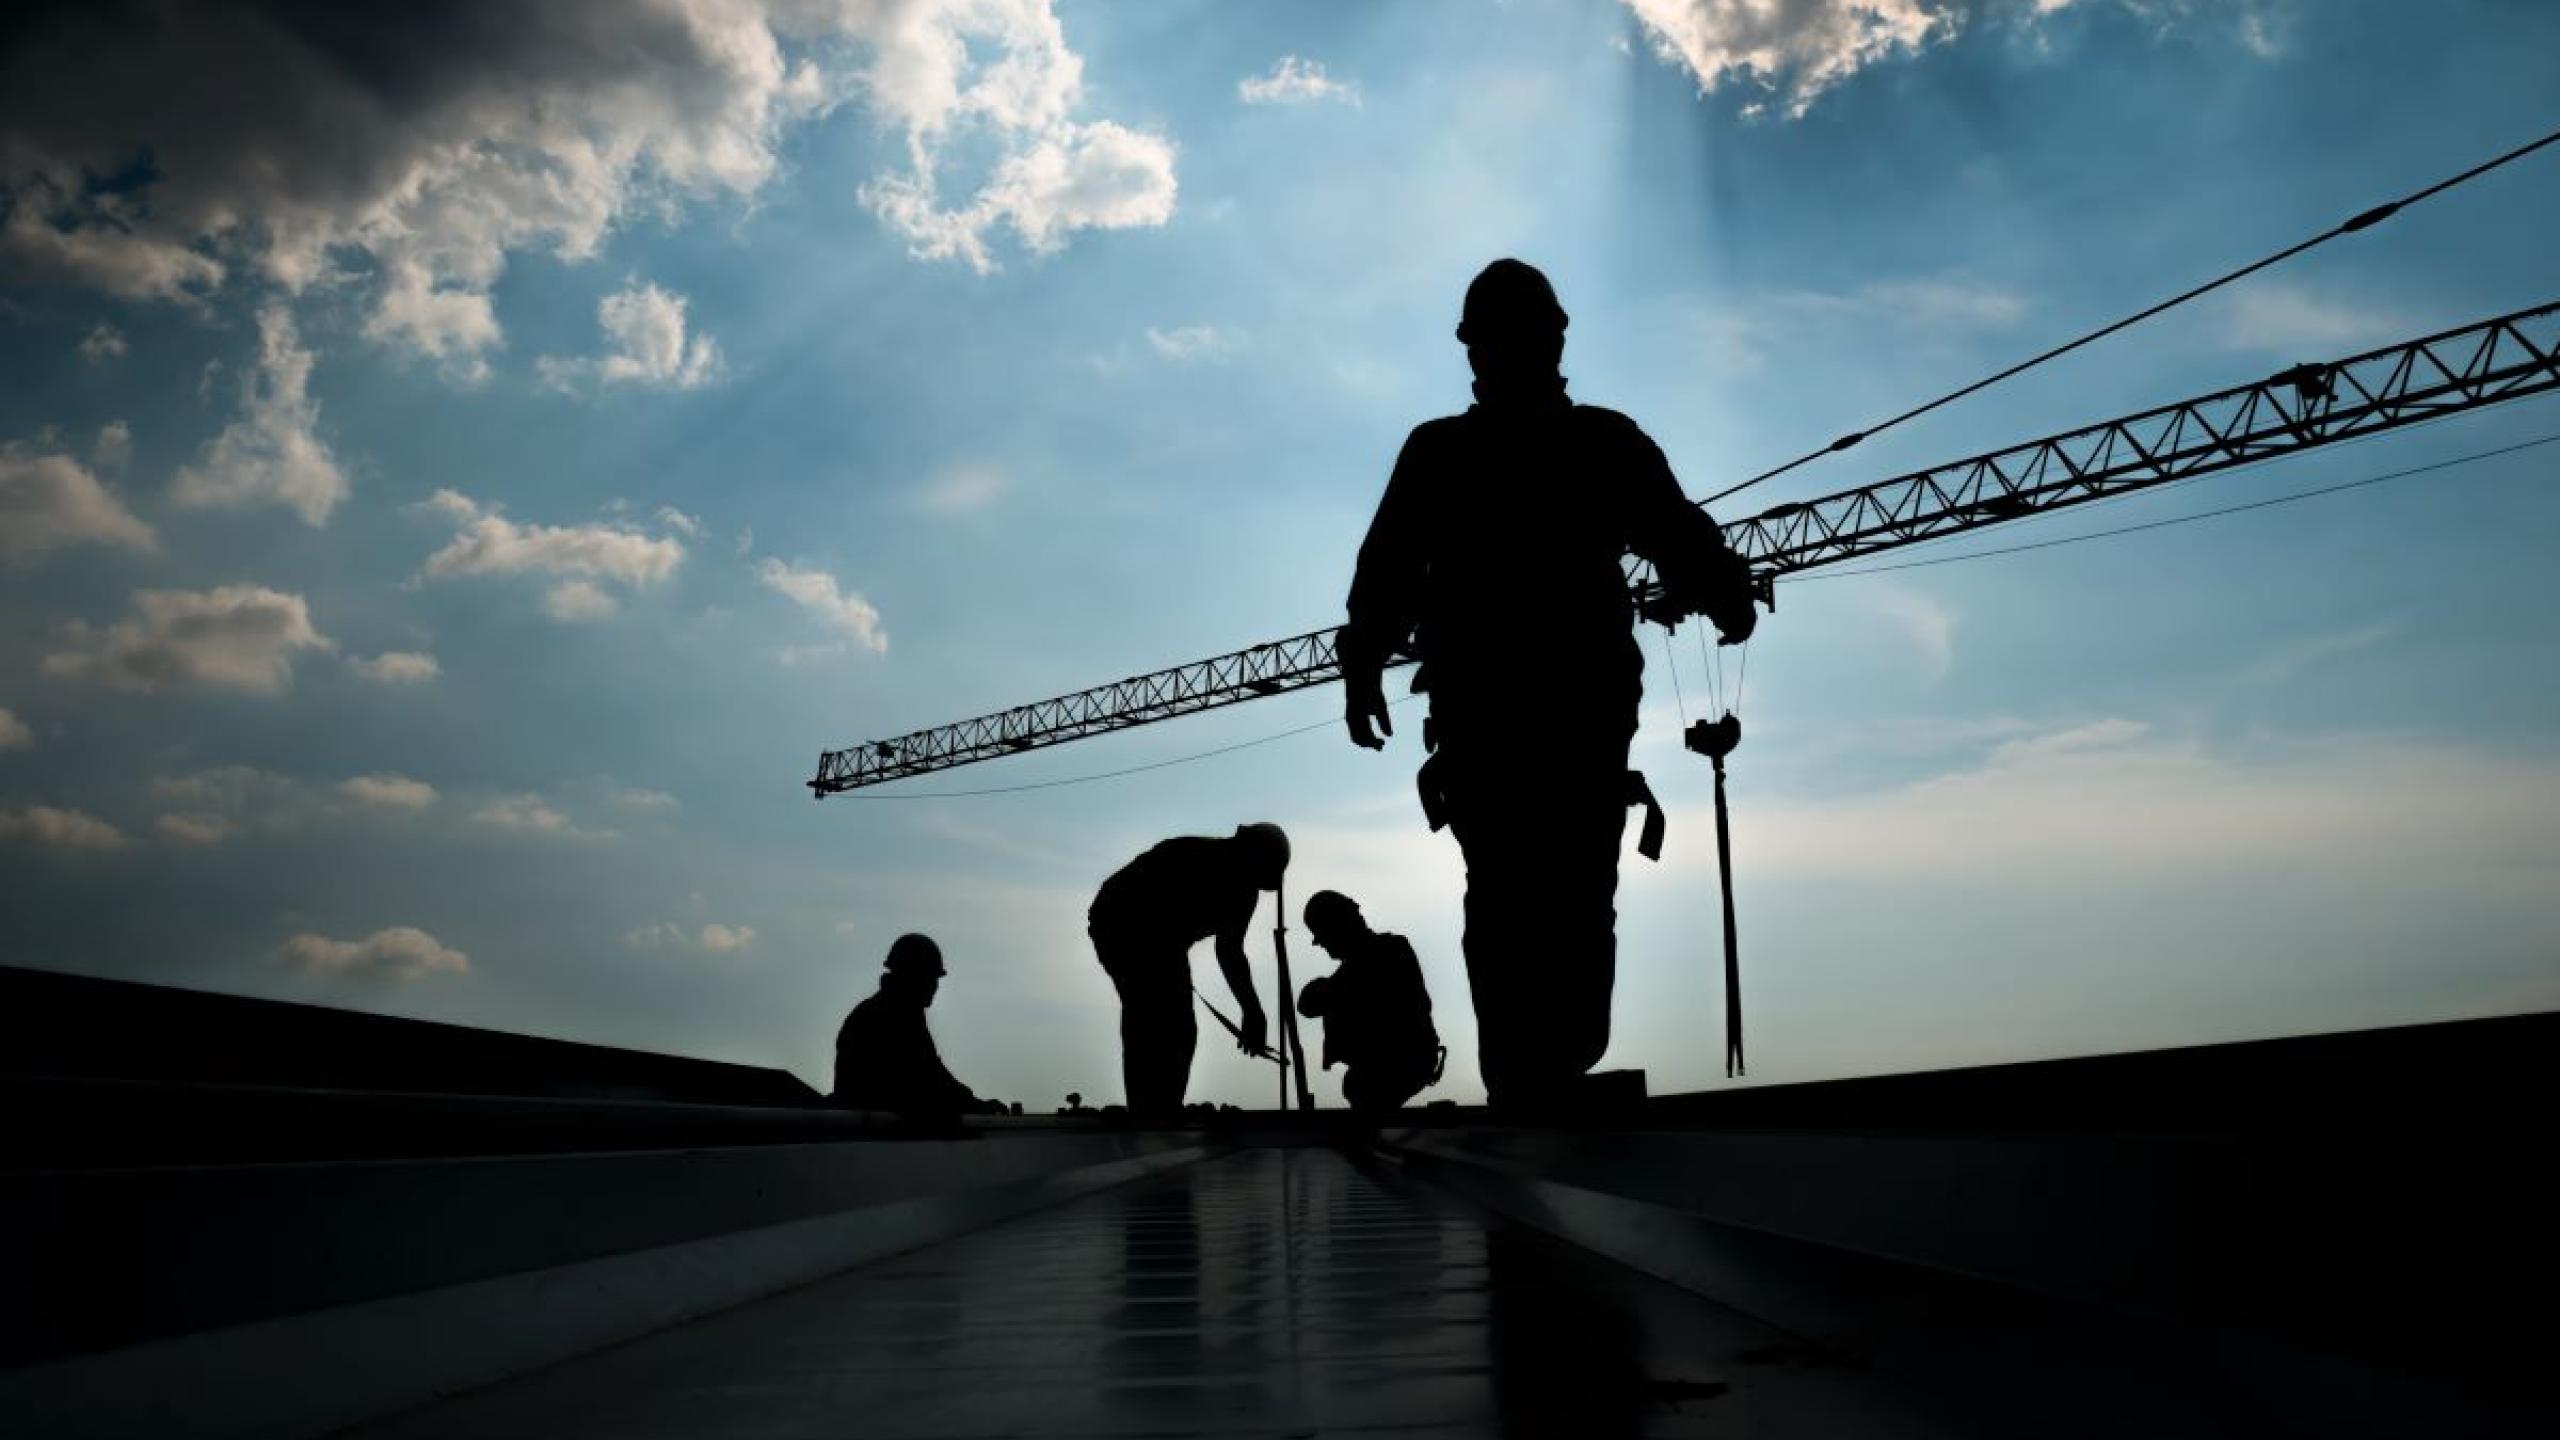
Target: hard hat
(1268, 839)
(915, 955)
(1510, 299)
(1328, 909)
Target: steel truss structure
(2308, 406)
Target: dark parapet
(83, 1027)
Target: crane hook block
(1714, 739)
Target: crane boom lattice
(2308, 406)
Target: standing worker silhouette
(1144, 922)
(1495, 559)
(1376, 1013)
(885, 1057)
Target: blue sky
(457, 480)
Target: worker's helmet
(1269, 846)
(915, 955)
(1330, 910)
(1510, 300)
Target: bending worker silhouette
(885, 1058)
(1376, 1013)
(1144, 922)
(1494, 559)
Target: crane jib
(2302, 408)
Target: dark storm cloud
(153, 147)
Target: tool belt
(1432, 780)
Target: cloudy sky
(460, 467)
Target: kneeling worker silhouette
(1376, 1013)
(885, 1057)
(1144, 922)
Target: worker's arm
(1408, 972)
(1255, 1038)
(1386, 592)
(1700, 573)
(937, 1080)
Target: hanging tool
(1265, 1053)
(1715, 739)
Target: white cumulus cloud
(714, 938)
(232, 637)
(491, 544)
(398, 667)
(522, 812)
(999, 73)
(399, 955)
(113, 449)
(533, 815)
(816, 591)
(103, 343)
(578, 557)
(53, 829)
(647, 346)
(1293, 80)
(388, 792)
(1795, 48)
(272, 454)
(14, 734)
(719, 939)
(49, 501)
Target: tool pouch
(1428, 780)
(1649, 840)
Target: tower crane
(2303, 408)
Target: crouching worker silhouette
(1144, 922)
(1377, 1015)
(885, 1058)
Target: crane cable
(2349, 226)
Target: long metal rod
(1296, 1048)
(2506, 358)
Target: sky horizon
(460, 468)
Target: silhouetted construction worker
(885, 1058)
(1376, 1013)
(1144, 922)
(1495, 560)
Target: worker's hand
(1364, 705)
(1253, 1034)
(1727, 601)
